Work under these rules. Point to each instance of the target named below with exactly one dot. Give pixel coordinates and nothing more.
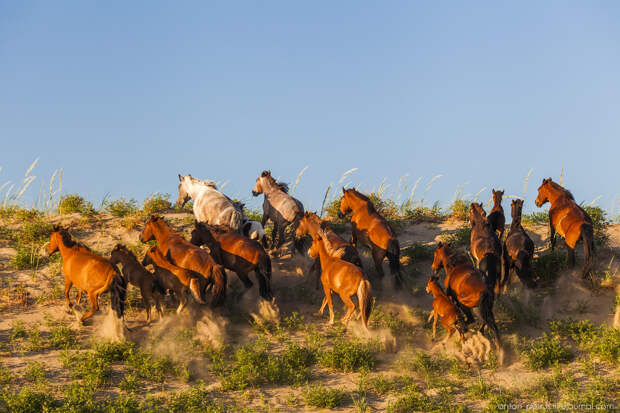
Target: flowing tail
(364, 298)
(264, 272)
(236, 220)
(587, 235)
(486, 311)
(393, 256)
(219, 280)
(118, 293)
(523, 268)
(488, 265)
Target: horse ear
(440, 244)
(324, 225)
(56, 228)
(180, 178)
(344, 191)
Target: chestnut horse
(236, 253)
(278, 207)
(372, 230)
(496, 217)
(310, 224)
(168, 276)
(88, 272)
(135, 274)
(186, 255)
(485, 246)
(344, 278)
(466, 286)
(518, 249)
(569, 220)
(444, 308)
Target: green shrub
(62, 337)
(415, 401)
(6, 377)
(121, 207)
(130, 383)
(599, 224)
(253, 214)
(348, 356)
(548, 267)
(536, 217)
(460, 210)
(419, 252)
(195, 400)
(156, 203)
(601, 341)
(36, 231)
(545, 352)
(253, 365)
(460, 237)
(27, 401)
(323, 397)
(35, 372)
(27, 257)
(75, 203)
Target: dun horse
(466, 286)
(344, 278)
(185, 255)
(485, 246)
(236, 253)
(372, 230)
(518, 249)
(569, 220)
(278, 206)
(210, 205)
(496, 217)
(88, 272)
(167, 275)
(444, 308)
(311, 224)
(150, 289)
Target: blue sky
(125, 95)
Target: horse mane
(369, 204)
(281, 185)
(70, 242)
(331, 251)
(121, 247)
(559, 187)
(218, 229)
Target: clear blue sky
(125, 95)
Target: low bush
(548, 266)
(72, 203)
(545, 352)
(121, 207)
(460, 210)
(460, 237)
(324, 397)
(156, 203)
(348, 356)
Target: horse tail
(488, 265)
(264, 265)
(486, 311)
(393, 256)
(118, 293)
(523, 268)
(236, 220)
(157, 287)
(587, 235)
(263, 273)
(219, 280)
(364, 298)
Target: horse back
(468, 284)
(88, 270)
(374, 226)
(343, 276)
(238, 245)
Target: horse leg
(247, 283)
(449, 327)
(378, 254)
(351, 309)
(147, 307)
(551, 234)
(435, 319)
(281, 235)
(78, 297)
(94, 306)
(353, 234)
(323, 304)
(588, 252)
(274, 235)
(328, 298)
(316, 269)
(430, 316)
(263, 285)
(68, 285)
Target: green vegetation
(601, 341)
(156, 203)
(546, 351)
(75, 203)
(549, 266)
(323, 397)
(460, 210)
(121, 207)
(419, 252)
(457, 238)
(348, 356)
(536, 217)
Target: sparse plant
(457, 238)
(35, 372)
(323, 397)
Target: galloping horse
(466, 286)
(344, 278)
(372, 230)
(485, 246)
(236, 253)
(444, 308)
(518, 249)
(278, 206)
(210, 205)
(150, 289)
(569, 220)
(311, 224)
(496, 217)
(88, 272)
(185, 255)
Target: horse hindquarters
(488, 265)
(523, 268)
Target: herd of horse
(190, 272)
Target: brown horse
(88, 272)
(496, 217)
(168, 276)
(466, 286)
(518, 249)
(372, 230)
(344, 278)
(150, 289)
(236, 253)
(310, 224)
(186, 255)
(569, 220)
(485, 246)
(444, 308)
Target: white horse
(210, 205)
